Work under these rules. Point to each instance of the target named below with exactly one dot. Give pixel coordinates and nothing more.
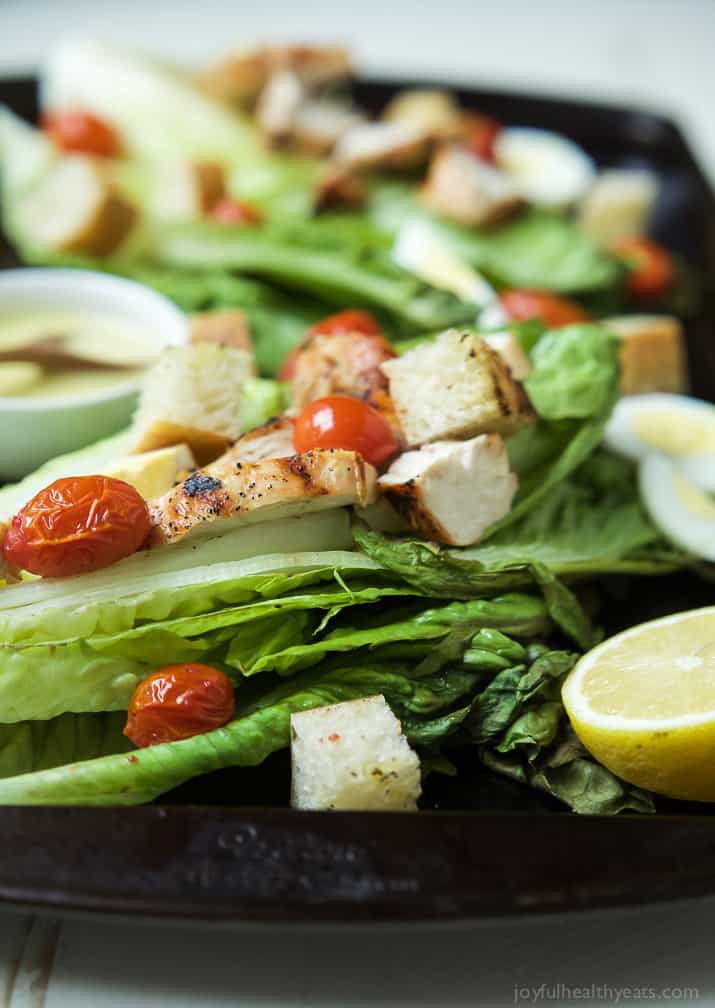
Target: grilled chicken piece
(228, 327)
(398, 144)
(340, 364)
(272, 440)
(464, 188)
(451, 491)
(453, 388)
(436, 112)
(262, 491)
(242, 76)
(76, 209)
(340, 189)
(320, 123)
(278, 107)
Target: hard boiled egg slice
(547, 168)
(421, 251)
(681, 510)
(679, 427)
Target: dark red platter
(484, 847)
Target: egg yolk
(674, 432)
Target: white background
(659, 53)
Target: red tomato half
(177, 702)
(76, 525)
(341, 422)
(229, 211)
(82, 133)
(289, 365)
(652, 268)
(554, 311)
(349, 321)
(480, 135)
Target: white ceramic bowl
(34, 429)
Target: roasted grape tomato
(82, 133)
(177, 702)
(341, 422)
(349, 321)
(289, 365)
(652, 269)
(76, 525)
(229, 211)
(554, 311)
(480, 135)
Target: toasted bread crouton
(468, 190)
(241, 77)
(352, 755)
(511, 352)
(381, 145)
(262, 491)
(192, 395)
(618, 205)
(653, 357)
(271, 440)
(436, 112)
(451, 491)
(454, 388)
(76, 209)
(189, 189)
(229, 327)
(340, 364)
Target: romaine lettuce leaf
(39, 745)
(314, 260)
(536, 249)
(260, 729)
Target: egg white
(546, 167)
(680, 509)
(678, 427)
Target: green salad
(402, 457)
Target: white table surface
(659, 53)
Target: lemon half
(643, 703)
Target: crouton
(192, 395)
(398, 144)
(76, 209)
(451, 491)
(189, 189)
(352, 755)
(618, 205)
(454, 388)
(436, 112)
(214, 498)
(653, 356)
(468, 190)
(340, 364)
(511, 352)
(228, 327)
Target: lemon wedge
(643, 703)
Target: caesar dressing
(127, 347)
